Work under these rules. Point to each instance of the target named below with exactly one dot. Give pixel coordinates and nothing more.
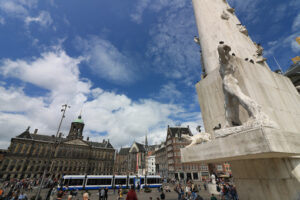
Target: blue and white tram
(95, 182)
(153, 181)
(73, 182)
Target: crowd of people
(227, 191)
(16, 189)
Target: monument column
(251, 112)
(216, 21)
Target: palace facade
(29, 154)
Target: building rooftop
(179, 131)
(124, 151)
(47, 138)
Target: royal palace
(29, 154)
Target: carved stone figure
(198, 138)
(243, 29)
(231, 10)
(225, 16)
(259, 54)
(213, 179)
(234, 95)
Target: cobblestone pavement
(111, 196)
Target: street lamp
(63, 110)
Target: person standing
(162, 195)
(48, 194)
(60, 195)
(22, 196)
(120, 192)
(131, 194)
(85, 196)
(1, 193)
(106, 193)
(102, 193)
(213, 197)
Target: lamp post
(63, 110)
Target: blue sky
(130, 66)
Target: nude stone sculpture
(197, 139)
(234, 95)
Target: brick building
(176, 169)
(161, 160)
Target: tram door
(137, 182)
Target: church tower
(76, 129)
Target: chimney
(108, 141)
(60, 134)
(188, 126)
(88, 138)
(35, 131)
(103, 141)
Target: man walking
(131, 194)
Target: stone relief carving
(234, 96)
(243, 29)
(231, 10)
(197, 41)
(225, 16)
(197, 139)
(259, 54)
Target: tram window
(105, 181)
(76, 182)
(120, 181)
(66, 181)
(131, 181)
(153, 180)
(142, 180)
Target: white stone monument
(252, 113)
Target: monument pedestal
(264, 161)
(212, 189)
(267, 178)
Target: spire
(146, 142)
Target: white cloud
(137, 16)
(154, 5)
(54, 71)
(296, 23)
(44, 19)
(17, 8)
(246, 7)
(2, 20)
(108, 61)
(171, 43)
(283, 43)
(168, 92)
(172, 47)
(116, 116)
(21, 9)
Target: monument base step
(260, 142)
